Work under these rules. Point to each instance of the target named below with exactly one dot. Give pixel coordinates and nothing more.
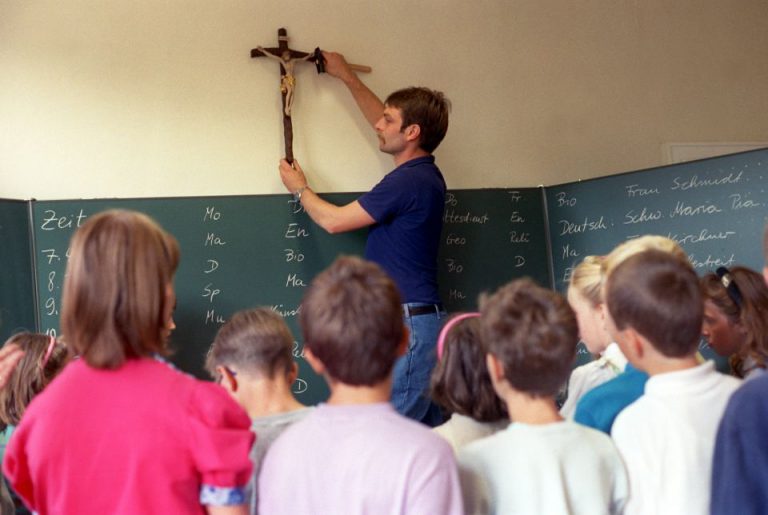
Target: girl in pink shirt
(120, 430)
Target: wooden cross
(286, 57)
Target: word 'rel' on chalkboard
(17, 303)
(246, 251)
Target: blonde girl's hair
(587, 279)
(634, 246)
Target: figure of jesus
(287, 80)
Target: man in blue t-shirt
(405, 215)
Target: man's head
(424, 108)
(656, 295)
(352, 322)
(531, 334)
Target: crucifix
(287, 58)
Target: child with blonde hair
(584, 297)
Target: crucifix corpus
(287, 58)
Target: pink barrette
(448, 326)
(48, 352)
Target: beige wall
(148, 98)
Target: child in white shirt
(540, 463)
(667, 436)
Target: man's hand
(337, 66)
(292, 176)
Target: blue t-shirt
(407, 206)
(600, 406)
(740, 463)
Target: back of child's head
(256, 342)
(43, 359)
(741, 295)
(657, 294)
(460, 382)
(352, 321)
(586, 279)
(532, 331)
(117, 300)
(636, 245)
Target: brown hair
(586, 279)
(657, 295)
(426, 108)
(256, 341)
(460, 382)
(352, 321)
(533, 332)
(30, 375)
(751, 314)
(115, 300)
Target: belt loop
(406, 311)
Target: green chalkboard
(714, 208)
(16, 289)
(489, 238)
(244, 251)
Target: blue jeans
(410, 385)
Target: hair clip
(448, 326)
(48, 352)
(731, 288)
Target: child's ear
(228, 380)
(315, 363)
(402, 348)
(635, 345)
(495, 368)
(293, 373)
(765, 274)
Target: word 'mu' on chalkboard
(246, 251)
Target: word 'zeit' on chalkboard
(489, 238)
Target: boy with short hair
(540, 463)
(354, 453)
(667, 436)
(252, 358)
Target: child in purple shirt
(355, 454)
